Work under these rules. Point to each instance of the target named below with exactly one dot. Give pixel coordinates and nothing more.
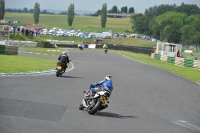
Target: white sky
(94, 5)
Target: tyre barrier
(171, 60)
(177, 61)
(163, 58)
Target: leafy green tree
(70, 15)
(191, 31)
(114, 9)
(131, 10)
(167, 26)
(124, 9)
(98, 12)
(190, 9)
(36, 13)
(171, 32)
(25, 10)
(197, 39)
(187, 32)
(104, 15)
(159, 10)
(2, 9)
(140, 23)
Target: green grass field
(80, 22)
(13, 63)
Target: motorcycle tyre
(95, 108)
(81, 107)
(58, 73)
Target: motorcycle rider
(106, 85)
(64, 58)
(105, 46)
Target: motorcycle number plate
(103, 99)
(59, 67)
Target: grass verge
(187, 72)
(13, 63)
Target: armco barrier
(22, 43)
(135, 49)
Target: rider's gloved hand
(92, 86)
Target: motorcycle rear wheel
(58, 73)
(93, 110)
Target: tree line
(170, 23)
(26, 10)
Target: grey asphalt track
(145, 99)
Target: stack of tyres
(157, 56)
(188, 63)
(171, 60)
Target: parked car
(106, 37)
(91, 36)
(133, 35)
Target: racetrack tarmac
(145, 99)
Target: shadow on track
(113, 115)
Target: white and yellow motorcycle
(98, 101)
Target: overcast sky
(94, 5)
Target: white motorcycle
(98, 101)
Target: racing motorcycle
(60, 69)
(97, 102)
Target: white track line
(187, 125)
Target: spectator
(18, 29)
(178, 54)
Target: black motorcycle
(60, 69)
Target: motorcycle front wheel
(81, 107)
(92, 109)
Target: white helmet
(108, 77)
(65, 53)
